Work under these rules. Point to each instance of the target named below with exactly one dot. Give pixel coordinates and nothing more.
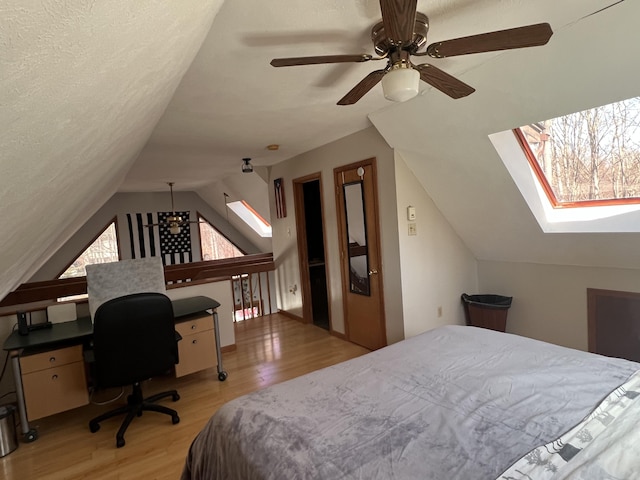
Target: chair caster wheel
(94, 427)
(222, 376)
(30, 436)
(119, 442)
(175, 397)
(175, 419)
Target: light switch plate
(411, 213)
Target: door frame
(374, 252)
(303, 256)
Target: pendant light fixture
(246, 166)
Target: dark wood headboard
(614, 323)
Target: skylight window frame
(251, 218)
(546, 186)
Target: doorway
(360, 257)
(311, 250)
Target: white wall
(550, 301)
(436, 265)
(359, 146)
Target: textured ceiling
(232, 103)
(82, 85)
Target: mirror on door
(356, 238)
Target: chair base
(136, 404)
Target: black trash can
(486, 311)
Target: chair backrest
(134, 339)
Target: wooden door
(359, 236)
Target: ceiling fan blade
(366, 84)
(398, 18)
(519, 37)
(293, 61)
(443, 81)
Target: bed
(453, 403)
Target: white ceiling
(103, 96)
(232, 103)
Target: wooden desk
(79, 332)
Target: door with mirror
(359, 233)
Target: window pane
(103, 250)
(590, 155)
(214, 245)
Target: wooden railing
(176, 276)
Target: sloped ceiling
(588, 62)
(82, 85)
(103, 96)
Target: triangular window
(103, 249)
(214, 245)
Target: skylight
(252, 218)
(580, 172)
(588, 158)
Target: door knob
(373, 272)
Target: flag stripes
(158, 241)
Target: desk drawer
(55, 390)
(52, 358)
(197, 352)
(194, 326)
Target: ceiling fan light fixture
(401, 84)
(174, 224)
(246, 166)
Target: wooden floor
(271, 349)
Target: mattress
(453, 403)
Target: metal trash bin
(486, 311)
(8, 434)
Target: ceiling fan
(173, 222)
(402, 33)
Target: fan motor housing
(383, 45)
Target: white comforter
(453, 403)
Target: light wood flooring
(270, 349)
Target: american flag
(158, 241)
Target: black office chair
(134, 339)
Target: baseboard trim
(293, 316)
(339, 335)
(229, 348)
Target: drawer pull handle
(54, 377)
(193, 327)
(52, 359)
(194, 341)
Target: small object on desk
(23, 328)
(39, 326)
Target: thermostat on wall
(411, 213)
